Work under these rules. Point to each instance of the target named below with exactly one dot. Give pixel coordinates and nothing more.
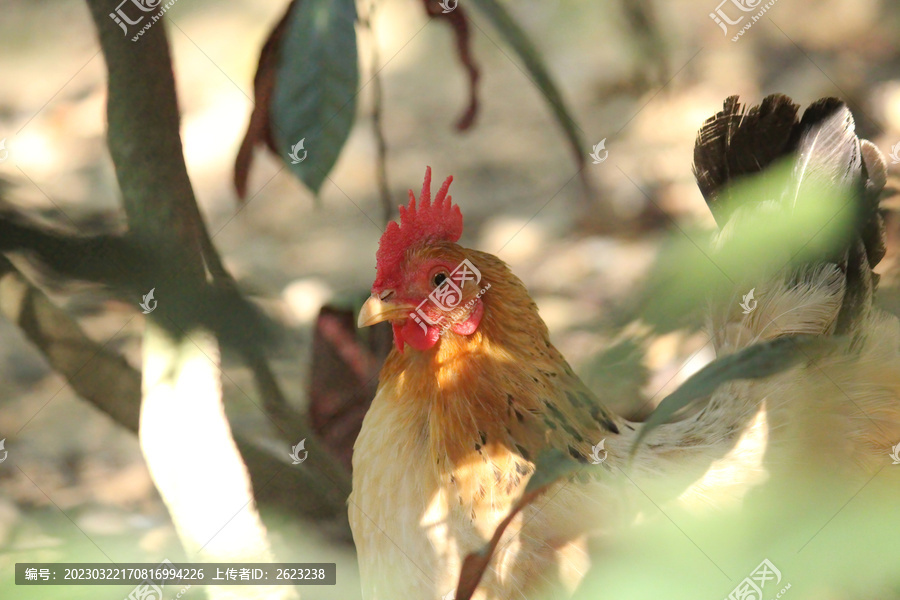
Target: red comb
(431, 222)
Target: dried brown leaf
(458, 21)
(259, 130)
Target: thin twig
(387, 203)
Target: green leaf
(691, 271)
(550, 466)
(755, 362)
(516, 37)
(316, 87)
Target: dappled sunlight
(569, 129)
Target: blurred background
(642, 76)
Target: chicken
(474, 390)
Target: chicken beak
(376, 310)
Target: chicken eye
(438, 278)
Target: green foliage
(518, 40)
(755, 362)
(694, 268)
(315, 93)
(619, 370)
(830, 536)
(314, 98)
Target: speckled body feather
(453, 432)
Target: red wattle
(420, 339)
(413, 334)
(469, 326)
(398, 336)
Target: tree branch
(181, 389)
(114, 387)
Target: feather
(827, 154)
(737, 142)
(872, 230)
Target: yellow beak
(376, 310)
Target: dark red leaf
(258, 130)
(343, 377)
(459, 23)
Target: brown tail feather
(739, 142)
